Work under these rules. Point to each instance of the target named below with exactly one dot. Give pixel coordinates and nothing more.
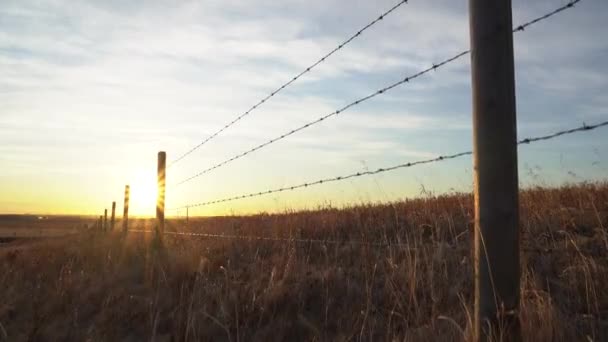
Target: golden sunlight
(143, 193)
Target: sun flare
(143, 194)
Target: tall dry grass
(103, 287)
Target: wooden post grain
(497, 268)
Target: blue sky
(91, 90)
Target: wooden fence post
(105, 220)
(497, 268)
(113, 216)
(125, 213)
(160, 201)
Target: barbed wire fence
(325, 242)
(506, 258)
(408, 78)
(291, 81)
(381, 91)
(102, 222)
(582, 128)
(107, 221)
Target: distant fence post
(105, 220)
(160, 201)
(125, 212)
(113, 216)
(497, 268)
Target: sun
(143, 194)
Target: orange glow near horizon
(143, 194)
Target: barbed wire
(295, 78)
(279, 239)
(401, 245)
(407, 79)
(550, 14)
(352, 104)
(582, 128)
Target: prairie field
(380, 272)
(24, 227)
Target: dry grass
(103, 287)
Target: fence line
(381, 91)
(582, 128)
(401, 245)
(492, 63)
(305, 71)
(266, 238)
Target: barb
(550, 14)
(584, 127)
(295, 78)
(366, 98)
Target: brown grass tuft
(103, 287)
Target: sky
(90, 91)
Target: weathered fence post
(187, 215)
(113, 216)
(125, 213)
(160, 201)
(105, 220)
(497, 268)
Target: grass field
(399, 271)
(32, 226)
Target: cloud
(122, 80)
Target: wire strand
(323, 118)
(264, 238)
(295, 78)
(381, 91)
(582, 128)
(401, 245)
